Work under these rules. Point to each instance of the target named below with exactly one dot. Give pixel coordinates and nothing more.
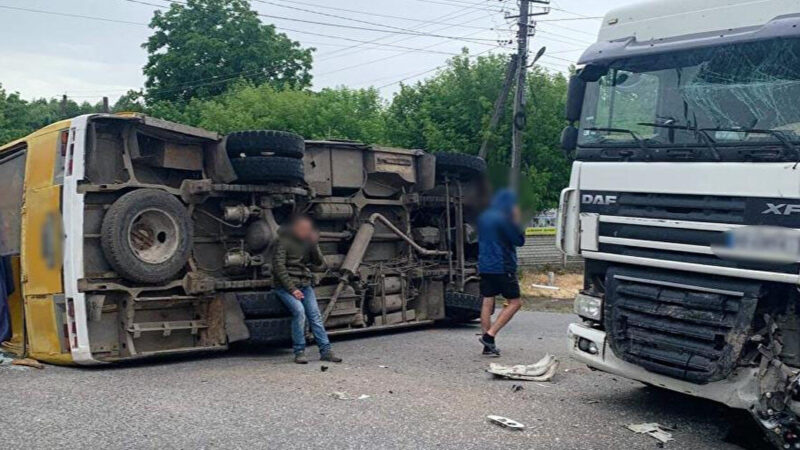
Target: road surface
(432, 393)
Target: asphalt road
(433, 393)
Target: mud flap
(235, 327)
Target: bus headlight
(589, 307)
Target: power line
(77, 16)
(388, 16)
(429, 70)
(360, 28)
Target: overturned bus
(129, 236)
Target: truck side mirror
(569, 139)
(575, 93)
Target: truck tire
(459, 165)
(461, 308)
(258, 142)
(267, 169)
(270, 331)
(146, 236)
(260, 304)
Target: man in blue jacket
(499, 235)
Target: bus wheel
(147, 236)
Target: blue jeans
(302, 309)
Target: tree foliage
(201, 48)
(451, 112)
(20, 117)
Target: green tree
(201, 48)
(452, 110)
(339, 113)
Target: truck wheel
(266, 169)
(459, 165)
(259, 304)
(258, 142)
(146, 236)
(270, 331)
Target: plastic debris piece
(506, 422)
(655, 430)
(516, 387)
(542, 370)
(343, 396)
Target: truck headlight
(589, 307)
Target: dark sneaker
(489, 348)
(300, 358)
(330, 357)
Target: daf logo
(782, 209)
(588, 199)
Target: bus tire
(259, 304)
(268, 169)
(147, 236)
(459, 165)
(258, 142)
(270, 331)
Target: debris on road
(343, 396)
(542, 370)
(323, 368)
(655, 430)
(516, 387)
(506, 422)
(28, 362)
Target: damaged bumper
(590, 346)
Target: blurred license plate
(765, 244)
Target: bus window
(12, 177)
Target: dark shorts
(504, 284)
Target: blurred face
(303, 229)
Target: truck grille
(691, 208)
(683, 326)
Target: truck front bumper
(590, 346)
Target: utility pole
(63, 106)
(499, 106)
(520, 117)
(106, 107)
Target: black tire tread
(461, 307)
(266, 169)
(269, 331)
(460, 164)
(256, 142)
(260, 304)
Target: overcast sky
(43, 55)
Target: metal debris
(506, 422)
(655, 430)
(542, 370)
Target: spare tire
(259, 304)
(459, 165)
(266, 169)
(256, 143)
(146, 236)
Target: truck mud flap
(685, 326)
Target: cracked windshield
(733, 95)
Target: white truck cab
(684, 201)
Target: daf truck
(684, 201)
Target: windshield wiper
(636, 138)
(698, 133)
(780, 136)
